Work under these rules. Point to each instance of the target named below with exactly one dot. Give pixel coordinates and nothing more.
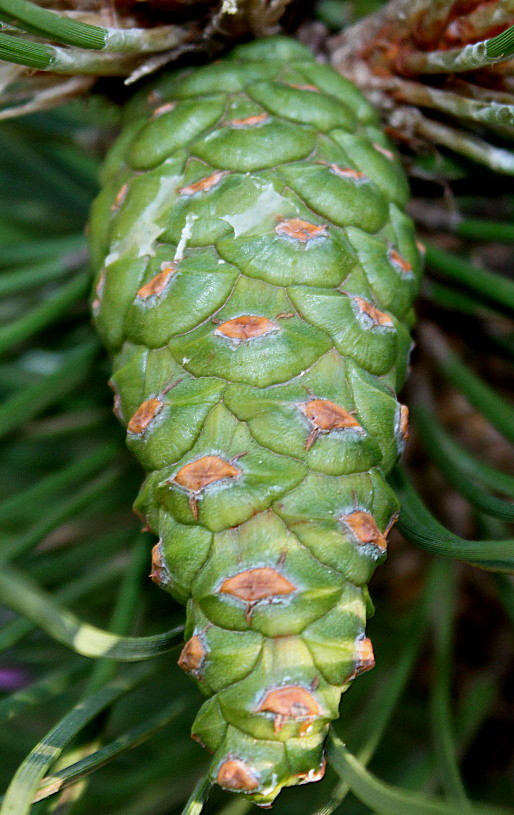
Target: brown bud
(206, 470)
(146, 411)
(253, 585)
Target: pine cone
(255, 276)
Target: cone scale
(255, 277)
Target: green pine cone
(256, 273)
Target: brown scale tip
(253, 585)
(365, 529)
(250, 121)
(378, 317)
(166, 108)
(364, 656)
(385, 152)
(292, 702)
(404, 421)
(327, 415)
(234, 774)
(247, 327)
(206, 470)
(146, 411)
(204, 184)
(158, 283)
(192, 655)
(300, 230)
(157, 566)
(303, 87)
(400, 262)
(120, 197)
(99, 290)
(348, 172)
(313, 775)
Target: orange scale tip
(378, 317)
(204, 184)
(304, 87)
(249, 121)
(300, 230)
(156, 575)
(364, 656)
(291, 703)
(204, 471)
(166, 108)
(253, 585)
(246, 327)
(365, 529)
(158, 283)
(146, 411)
(404, 421)
(120, 197)
(235, 774)
(313, 775)
(385, 152)
(327, 415)
(349, 173)
(99, 290)
(192, 654)
(400, 262)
